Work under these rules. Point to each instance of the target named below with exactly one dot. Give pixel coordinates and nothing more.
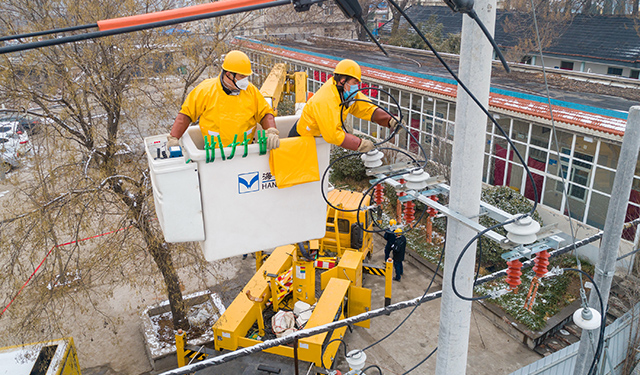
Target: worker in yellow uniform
(227, 105)
(321, 114)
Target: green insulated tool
(245, 143)
(233, 146)
(262, 142)
(221, 148)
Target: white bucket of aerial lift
(176, 193)
(243, 209)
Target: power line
(130, 29)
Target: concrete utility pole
(616, 213)
(466, 186)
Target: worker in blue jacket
(398, 249)
(390, 237)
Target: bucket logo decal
(248, 182)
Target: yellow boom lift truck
(314, 275)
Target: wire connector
(555, 271)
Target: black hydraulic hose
(305, 248)
(125, 30)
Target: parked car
(31, 124)
(14, 144)
(9, 154)
(13, 129)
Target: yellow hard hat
(398, 231)
(392, 222)
(348, 68)
(237, 62)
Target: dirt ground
(109, 338)
(107, 332)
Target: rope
(49, 253)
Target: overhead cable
(129, 29)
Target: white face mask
(242, 84)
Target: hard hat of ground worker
(237, 62)
(348, 68)
(398, 231)
(392, 222)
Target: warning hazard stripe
(324, 264)
(191, 353)
(374, 270)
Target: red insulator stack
(409, 212)
(513, 275)
(431, 212)
(541, 261)
(378, 194)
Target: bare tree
(395, 23)
(552, 21)
(368, 7)
(90, 175)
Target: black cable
(226, 357)
(416, 306)
(367, 193)
(474, 16)
(364, 26)
(603, 320)
(475, 279)
(351, 98)
(421, 362)
(125, 30)
(47, 32)
(364, 370)
(325, 348)
(464, 250)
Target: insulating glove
(273, 139)
(172, 141)
(393, 123)
(366, 146)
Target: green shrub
(349, 169)
(507, 200)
